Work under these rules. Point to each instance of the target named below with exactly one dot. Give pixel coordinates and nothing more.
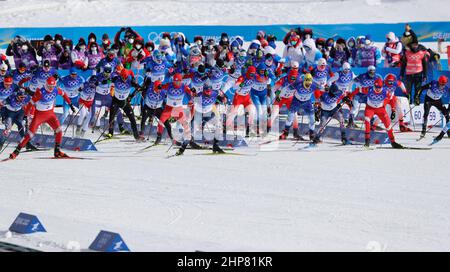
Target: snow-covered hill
(27, 13)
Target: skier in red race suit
(44, 101)
(377, 98)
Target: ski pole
(7, 140)
(440, 120)
(410, 109)
(72, 117)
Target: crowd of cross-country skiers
(209, 80)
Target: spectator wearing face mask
(137, 54)
(352, 47)
(125, 45)
(65, 61)
(368, 54)
(94, 55)
(78, 55)
(50, 51)
(22, 51)
(392, 51)
(339, 54)
(312, 54)
(294, 51)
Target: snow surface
(341, 199)
(275, 199)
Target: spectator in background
(352, 47)
(22, 51)
(137, 54)
(339, 54)
(368, 55)
(312, 54)
(92, 38)
(125, 45)
(294, 51)
(106, 43)
(64, 61)
(445, 50)
(94, 56)
(78, 55)
(392, 51)
(408, 35)
(50, 51)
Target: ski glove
(72, 107)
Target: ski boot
(422, 134)
(182, 149)
(439, 137)
(15, 153)
(448, 133)
(139, 138)
(194, 145)
(311, 135)
(2, 142)
(367, 143)
(396, 145)
(344, 140)
(123, 130)
(82, 133)
(404, 128)
(158, 139)
(30, 147)
(284, 135)
(297, 135)
(58, 153)
(108, 136)
(216, 148)
(351, 123)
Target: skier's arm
(36, 96)
(64, 95)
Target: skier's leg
(128, 110)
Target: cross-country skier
(176, 92)
(207, 113)
(7, 88)
(331, 107)
(284, 93)
(87, 95)
(242, 97)
(435, 91)
(123, 83)
(71, 85)
(44, 101)
(154, 96)
(302, 102)
(377, 98)
(362, 82)
(392, 84)
(14, 115)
